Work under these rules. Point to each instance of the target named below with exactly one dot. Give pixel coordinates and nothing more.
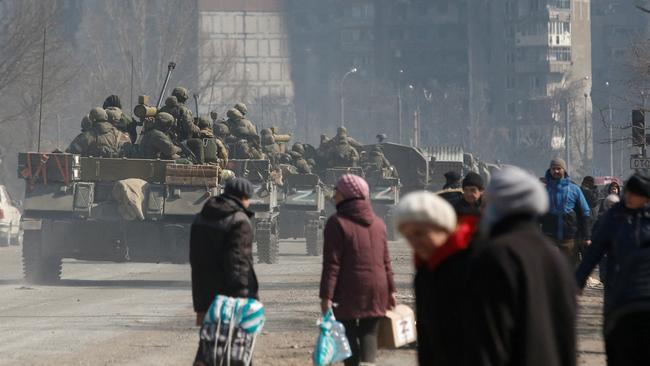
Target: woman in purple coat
(357, 274)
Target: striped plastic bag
(229, 331)
(332, 345)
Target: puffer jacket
(624, 236)
(569, 213)
(221, 252)
(357, 273)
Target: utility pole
(611, 132)
(567, 135)
(399, 104)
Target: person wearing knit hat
(519, 274)
(357, 273)
(569, 217)
(470, 203)
(452, 180)
(221, 248)
(439, 241)
(622, 235)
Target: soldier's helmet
(299, 148)
(234, 114)
(242, 108)
(181, 94)
(214, 115)
(267, 138)
(114, 115)
(164, 121)
(342, 132)
(204, 123)
(266, 131)
(285, 159)
(221, 129)
(171, 102)
(86, 124)
(112, 101)
(98, 114)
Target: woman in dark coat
(357, 274)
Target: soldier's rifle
(170, 67)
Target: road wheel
(268, 244)
(39, 268)
(314, 237)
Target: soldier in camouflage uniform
(215, 149)
(377, 164)
(126, 124)
(103, 140)
(269, 147)
(175, 105)
(342, 135)
(242, 150)
(240, 127)
(86, 124)
(342, 155)
(297, 154)
(242, 108)
(156, 143)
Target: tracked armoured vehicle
(104, 209)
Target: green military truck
(104, 209)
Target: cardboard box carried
(397, 328)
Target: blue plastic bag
(332, 345)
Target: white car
(10, 231)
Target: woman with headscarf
(357, 277)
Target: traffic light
(638, 127)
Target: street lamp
(352, 71)
(611, 135)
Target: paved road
(140, 314)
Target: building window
(559, 54)
(562, 4)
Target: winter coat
(440, 292)
(464, 208)
(624, 236)
(357, 273)
(521, 304)
(569, 212)
(221, 252)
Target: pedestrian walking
(569, 215)
(470, 202)
(624, 236)
(221, 248)
(357, 275)
(429, 224)
(521, 306)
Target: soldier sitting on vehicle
(270, 147)
(214, 149)
(342, 155)
(156, 143)
(342, 135)
(175, 105)
(243, 150)
(103, 140)
(239, 126)
(377, 164)
(297, 154)
(86, 124)
(126, 124)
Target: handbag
(229, 331)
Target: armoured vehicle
(108, 210)
(264, 204)
(302, 211)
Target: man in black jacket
(470, 202)
(221, 248)
(521, 306)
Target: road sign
(640, 163)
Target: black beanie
(638, 184)
(239, 188)
(452, 176)
(473, 180)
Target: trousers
(627, 343)
(362, 335)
